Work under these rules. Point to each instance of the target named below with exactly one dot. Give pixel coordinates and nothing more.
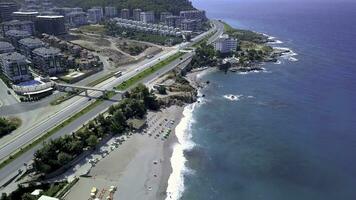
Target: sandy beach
(139, 167)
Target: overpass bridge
(76, 88)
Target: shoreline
(174, 183)
(194, 78)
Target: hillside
(156, 5)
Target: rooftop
(16, 22)
(191, 11)
(173, 17)
(25, 13)
(6, 45)
(75, 13)
(189, 21)
(43, 197)
(94, 9)
(17, 33)
(12, 57)
(6, 3)
(50, 16)
(47, 51)
(31, 42)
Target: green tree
(63, 158)
(92, 141)
(118, 122)
(162, 89)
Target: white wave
(232, 97)
(278, 62)
(274, 40)
(176, 179)
(293, 59)
(253, 71)
(288, 54)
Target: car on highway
(8, 92)
(118, 74)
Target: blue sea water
(292, 132)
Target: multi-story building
(95, 15)
(110, 11)
(18, 25)
(53, 25)
(173, 21)
(100, 8)
(225, 44)
(75, 19)
(164, 15)
(48, 13)
(6, 8)
(49, 60)
(15, 67)
(136, 13)
(193, 14)
(25, 15)
(147, 17)
(31, 5)
(6, 47)
(27, 45)
(46, 5)
(64, 11)
(191, 25)
(14, 36)
(125, 13)
(157, 29)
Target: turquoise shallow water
(291, 134)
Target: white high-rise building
(15, 67)
(125, 13)
(147, 17)
(225, 44)
(193, 14)
(110, 11)
(95, 15)
(136, 14)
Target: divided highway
(38, 130)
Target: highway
(36, 131)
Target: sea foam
(232, 97)
(290, 55)
(176, 179)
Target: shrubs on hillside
(7, 126)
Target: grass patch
(95, 29)
(62, 99)
(244, 35)
(227, 27)
(100, 80)
(133, 80)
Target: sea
(290, 131)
